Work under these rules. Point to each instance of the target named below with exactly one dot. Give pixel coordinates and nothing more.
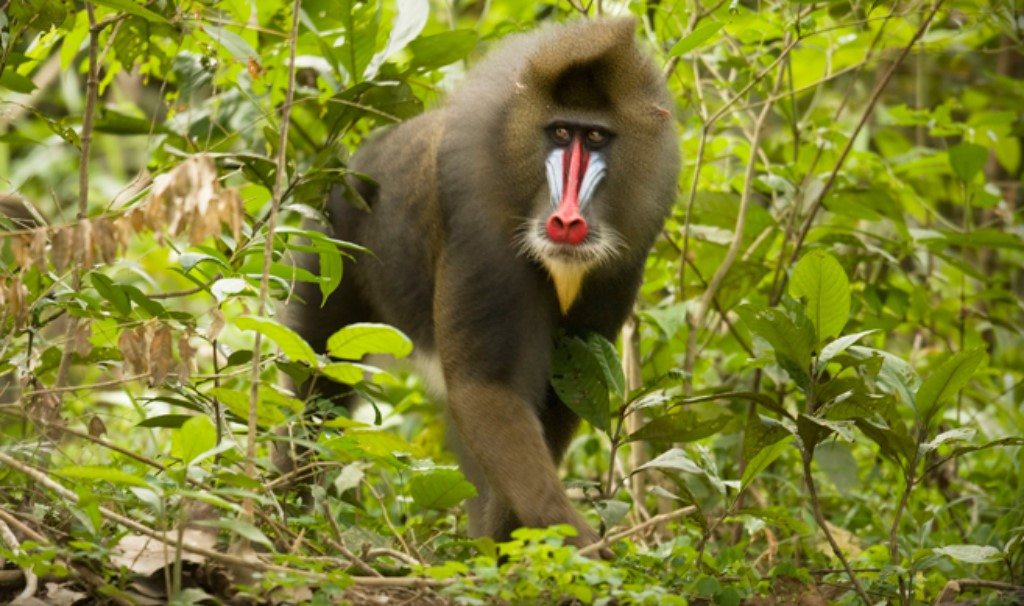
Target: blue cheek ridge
(553, 168)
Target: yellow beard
(568, 277)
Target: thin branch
(741, 219)
(618, 536)
(820, 519)
(876, 94)
(91, 93)
(268, 249)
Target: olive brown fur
(462, 262)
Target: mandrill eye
(561, 135)
(596, 138)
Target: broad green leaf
(953, 435)
(840, 345)
(331, 268)
(132, 8)
(343, 372)
(684, 426)
(226, 287)
(356, 340)
(241, 528)
(791, 344)
(193, 438)
(611, 365)
(170, 421)
(440, 488)
(972, 554)
(612, 511)
(967, 160)
(101, 473)
(349, 477)
(578, 378)
(939, 387)
(674, 459)
(111, 292)
(697, 38)
(762, 459)
(821, 282)
(291, 344)
(438, 50)
(410, 18)
(237, 401)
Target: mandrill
(523, 207)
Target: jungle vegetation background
(819, 398)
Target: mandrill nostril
(570, 232)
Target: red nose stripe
(566, 225)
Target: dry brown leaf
(187, 353)
(81, 343)
(37, 250)
(82, 243)
(132, 344)
(44, 408)
(216, 324)
(105, 240)
(145, 555)
(17, 302)
(161, 359)
(97, 427)
(60, 248)
(20, 246)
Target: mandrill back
(523, 207)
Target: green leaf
(111, 292)
(13, 81)
(939, 387)
(194, 437)
(291, 344)
(440, 488)
(612, 511)
(237, 401)
(242, 529)
(972, 554)
(685, 426)
(438, 50)
(791, 344)
(697, 38)
(840, 345)
(132, 9)
(611, 366)
(820, 280)
(331, 268)
(344, 372)
(356, 340)
(578, 377)
(967, 160)
(169, 421)
(762, 459)
(410, 18)
(101, 473)
(674, 459)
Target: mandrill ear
(597, 59)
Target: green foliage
(860, 356)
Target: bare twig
(876, 94)
(268, 248)
(91, 92)
(654, 521)
(819, 517)
(741, 219)
(31, 579)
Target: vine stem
(78, 254)
(820, 519)
(268, 249)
